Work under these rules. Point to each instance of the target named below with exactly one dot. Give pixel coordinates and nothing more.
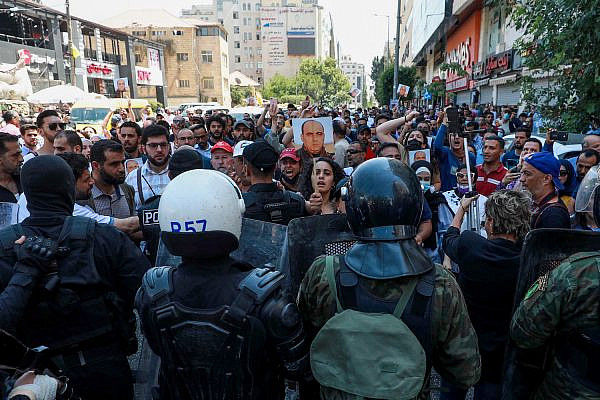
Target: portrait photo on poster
(419, 155)
(403, 90)
(121, 85)
(313, 133)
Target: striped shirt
(152, 183)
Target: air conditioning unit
(500, 47)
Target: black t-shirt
(7, 196)
(488, 280)
(552, 215)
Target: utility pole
(70, 45)
(397, 50)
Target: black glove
(37, 253)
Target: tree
(563, 45)
(279, 86)
(323, 81)
(239, 95)
(384, 86)
(377, 67)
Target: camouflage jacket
(564, 300)
(455, 354)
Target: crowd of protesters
(506, 190)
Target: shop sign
(147, 76)
(101, 71)
(479, 70)
(499, 63)
(458, 84)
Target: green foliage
(377, 67)
(365, 100)
(239, 95)
(562, 43)
(155, 105)
(455, 68)
(384, 86)
(322, 80)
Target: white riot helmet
(200, 214)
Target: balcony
(90, 54)
(111, 58)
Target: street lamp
(389, 58)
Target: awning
(503, 80)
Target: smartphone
(453, 120)
(559, 136)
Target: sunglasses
(564, 173)
(353, 151)
(57, 125)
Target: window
(257, 6)
(243, 6)
(207, 56)
(258, 22)
(259, 65)
(236, 30)
(138, 33)
(182, 56)
(138, 58)
(183, 83)
(238, 59)
(236, 15)
(246, 51)
(208, 83)
(258, 36)
(224, 57)
(259, 51)
(236, 45)
(251, 65)
(159, 33)
(177, 33)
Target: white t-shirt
(78, 211)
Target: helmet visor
(585, 199)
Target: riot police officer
(383, 269)
(181, 161)
(561, 309)
(223, 329)
(264, 200)
(82, 284)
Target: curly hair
(306, 188)
(510, 212)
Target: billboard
(301, 22)
(427, 17)
(273, 23)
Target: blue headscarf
(571, 183)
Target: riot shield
(8, 214)
(310, 237)
(261, 244)
(543, 251)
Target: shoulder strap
(406, 294)
(158, 283)
(255, 288)
(77, 228)
(330, 274)
(139, 185)
(129, 194)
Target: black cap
(244, 122)
(184, 160)
(261, 155)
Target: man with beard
(11, 161)
(216, 127)
(129, 136)
(243, 130)
(49, 124)
(152, 177)
(289, 164)
(512, 157)
(67, 142)
(222, 157)
(110, 195)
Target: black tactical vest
(278, 207)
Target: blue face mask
(425, 185)
(506, 116)
(462, 189)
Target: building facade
(196, 53)
(103, 55)
(356, 74)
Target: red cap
(289, 153)
(223, 146)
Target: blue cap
(546, 163)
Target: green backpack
(360, 355)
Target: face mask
(506, 116)
(413, 145)
(462, 189)
(425, 185)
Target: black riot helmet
(384, 201)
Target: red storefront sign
(462, 47)
(97, 69)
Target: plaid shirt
(152, 183)
(114, 205)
